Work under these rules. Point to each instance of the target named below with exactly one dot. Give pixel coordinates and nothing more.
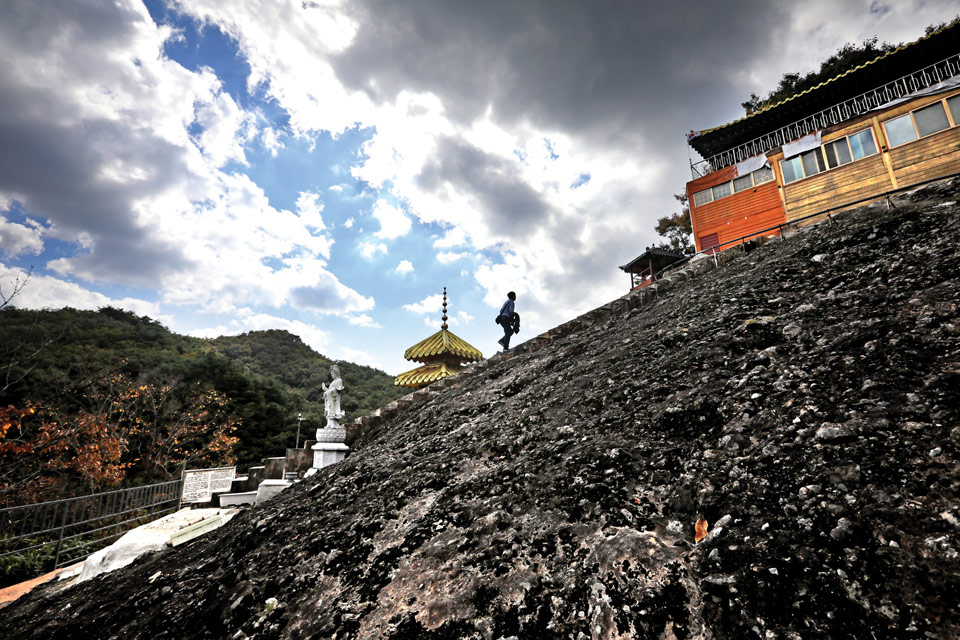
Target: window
(764, 174)
(792, 170)
(900, 130)
(862, 144)
(812, 162)
(742, 183)
(835, 153)
(721, 190)
(703, 197)
(724, 189)
(838, 153)
(954, 105)
(931, 119)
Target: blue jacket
(507, 308)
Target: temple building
(646, 268)
(889, 124)
(442, 354)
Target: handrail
(44, 524)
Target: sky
(328, 167)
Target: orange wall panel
(741, 214)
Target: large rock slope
(803, 399)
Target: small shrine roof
(441, 343)
(423, 375)
(661, 259)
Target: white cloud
(404, 267)
(309, 209)
(364, 320)
(432, 305)
(271, 141)
(46, 292)
(393, 222)
(454, 237)
(349, 223)
(337, 187)
(356, 355)
(446, 257)
(247, 320)
(16, 239)
(369, 249)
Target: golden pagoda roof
(425, 374)
(441, 343)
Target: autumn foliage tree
(108, 431)
(677, 228)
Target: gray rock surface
(794, 395)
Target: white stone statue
(331, 398)
(329, 448)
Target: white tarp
(752, 164)
(946, 85)
(807, 142)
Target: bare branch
(18, 284)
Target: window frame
(823, 160)
(951, 121)
(732, 192)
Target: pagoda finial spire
(444, 325)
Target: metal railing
(74, 528)
(841, 112)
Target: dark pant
(507, 332)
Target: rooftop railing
(841, 112)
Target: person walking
(509, 320)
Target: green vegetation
(677, 229)
(153, 398)
(845, 58)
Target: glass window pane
(702, 197)
(762, 175)
(843, 151)
(741, 183)
(721, 190)
(791, 170)
(954, 105)
(831, 154)
(900, 130)
(862, 144)
(931, 119)
(812, 162)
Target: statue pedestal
(328, 453)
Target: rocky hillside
(803, 399)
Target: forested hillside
(283, 356)
(90, 399)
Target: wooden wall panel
(837, 187)
(931, 157)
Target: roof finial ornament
(444, 325)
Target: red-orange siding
(742, 214)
